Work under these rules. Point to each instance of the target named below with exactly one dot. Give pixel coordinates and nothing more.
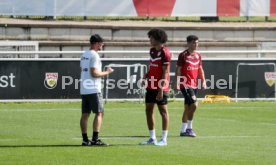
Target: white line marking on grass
(33, 110)
(265, 123)
(233, 108)
(62, 109)
(223, 137)
(235, 120)
(123, 109)
(227, 108)
(4, 140)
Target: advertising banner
(148, 8)
(59, 79)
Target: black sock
(95, 136)
(84, 137)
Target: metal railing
(208, 53)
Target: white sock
(152, 134)
(164, 135)
(190, 124)
(184, 127)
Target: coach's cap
(96, 38)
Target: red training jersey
(190, 63)
(158, 59)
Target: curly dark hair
(159, 35)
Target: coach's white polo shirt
(88, 83)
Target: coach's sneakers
(162, 142)
(189, 132)
(149, 142)
(86, 143)
(98, 142)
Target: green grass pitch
(49, 133)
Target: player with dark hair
(158, 85)
(90, 90)
(189, 66)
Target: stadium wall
(129, 35)
(59, 78)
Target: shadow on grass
(122, 137)
(76, 145)
(38, 145)
(63, 146)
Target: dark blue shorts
(92, 102)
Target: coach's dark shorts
(92, 102)
(189, 95)
(151, 97)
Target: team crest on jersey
(50, 81)
(270, 78)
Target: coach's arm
(96, 73)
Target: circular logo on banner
(50, 81)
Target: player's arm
(177, 77)
(202, 77)
(146, 76)
(165, 74)
(178, 70)
(96, 73)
